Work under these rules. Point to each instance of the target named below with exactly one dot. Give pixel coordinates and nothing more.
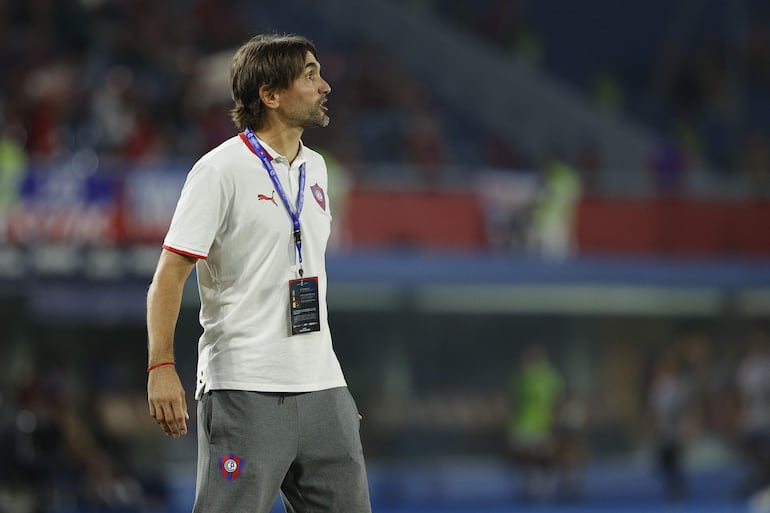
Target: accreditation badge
(303, 305)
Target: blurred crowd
(75, 432)
(692, 394)
(76, 437)
(696, 407)
(137, 81)
(111, 78)
(131, 82)
(694, 72)
(113, 85)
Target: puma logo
(261, 197)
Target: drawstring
(281, 398)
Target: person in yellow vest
(536, 391)
(13, 162)
(553, 216)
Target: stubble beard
(316, 118)
(317, 121)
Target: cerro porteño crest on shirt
(318, 194)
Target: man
(534, 444)
(253, 217)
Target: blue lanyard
(265, 158)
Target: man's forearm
(164, 300)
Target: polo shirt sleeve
(199, 213)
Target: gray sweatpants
(251, 444)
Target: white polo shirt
(230, 217)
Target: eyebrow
(312, 64)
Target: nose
(325, 87)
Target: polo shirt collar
(274, 155)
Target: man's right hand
(167, 402)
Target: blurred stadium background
(513, 182)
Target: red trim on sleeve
(185, 253)
(248, 145)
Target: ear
(268, 97)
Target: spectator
(753, 379)
(553, 216)
(536, 391)
(756, 164)
(668, 400)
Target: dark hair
(270, 60)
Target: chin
(318, 123)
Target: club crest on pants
(230, 466)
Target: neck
(283, 139)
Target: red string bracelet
(153, 367)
